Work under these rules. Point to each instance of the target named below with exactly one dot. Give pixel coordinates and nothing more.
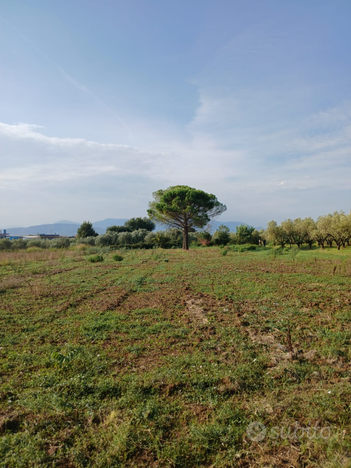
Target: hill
(69, 228)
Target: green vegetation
(95, 258)
(164, 359)
(333, 228)
(133, 224)
(184, 208)
(117, 258)
(86, 230)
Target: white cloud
(258, 172)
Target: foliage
(95, 258)
(184, 208)
(221, 236)
(276, 234)
(332, 228)
(40, 243)
(60, 243)
(244, 234)
(5, 244)
(117, 229)
(117, 258)
(86, 230)
(134, 224)
(19, 244)
(204, 238)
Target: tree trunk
(185, 238)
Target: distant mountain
(67, 222)
(69, 228)
(57, 228)
(104, 224)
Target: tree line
(187, 212)
(327, 230)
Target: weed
(117, 258)
(95, 258)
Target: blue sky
(102, 103)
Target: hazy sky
(104, 102)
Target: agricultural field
(168, 358)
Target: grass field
(166, 357)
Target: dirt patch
(289, 456)
(196, 311)
(276, 350)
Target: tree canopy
(184, 208)
(134, 224)
(86, 230)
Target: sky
(104, 102)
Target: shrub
(224, 252)
(221, 236)
(204, 238)
(117, 258)
(18, 244)
(139, 235)
(40, 243)
(110, 238)
(95, 258)
(5, 244)
(61, 243)
(34, 249)
(87, 240)
(125, 238)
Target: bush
(95, 258)
(204, 238)
(34, 249)
(276, 251)
(117, 258)
(137, 224)
(245, 248)
(5, 244)
(139, 235)
(40, 243)
(87, 240)
(140, 245)
(224, 252)
(18, 244)
(61, 243)
(150, 237)
(110, 238)
(125, 238)
(221, 236)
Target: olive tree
(340, 228)
(276, 234)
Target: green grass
(165, 358)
